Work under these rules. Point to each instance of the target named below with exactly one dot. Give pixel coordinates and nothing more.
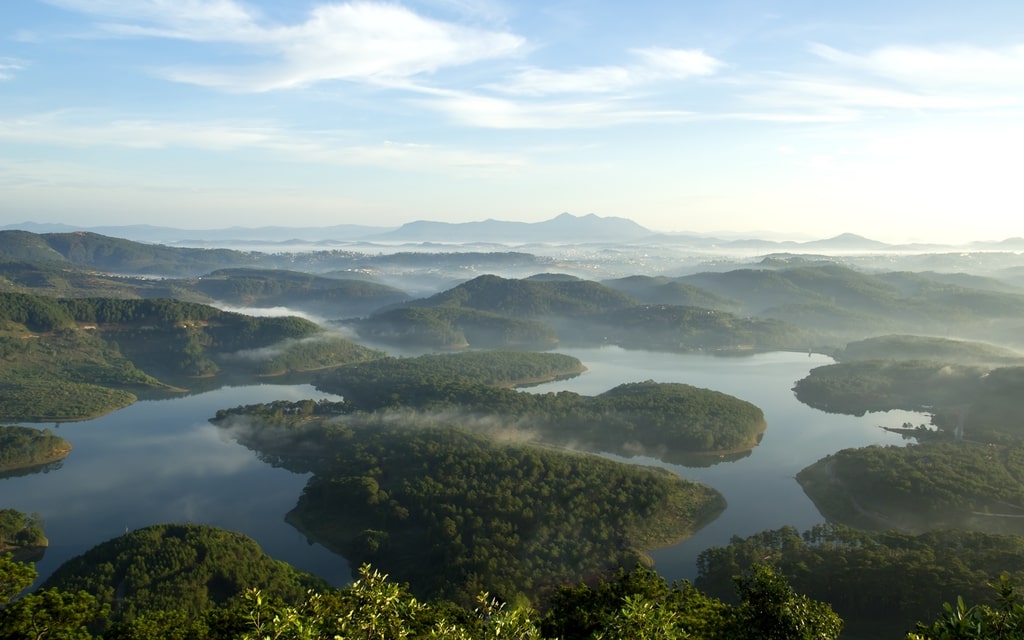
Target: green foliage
(25, 446)
(1004, 621)
(15, 577)
(20, 530)
(51, 613)
(770, 610)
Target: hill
(186, 568)
(852, 304)
(72, 359)
(574, 312)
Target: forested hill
(492, 312)
(530, 298)
(72, 359)
(95, 251)
(847, 302)
(43, 314)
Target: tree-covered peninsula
(22, 447)
(453, 512)
(921, 487)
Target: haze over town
(900, 122)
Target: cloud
(72, 129)
(937, 68)
(656, 64)
(355, 41)
(948, 78)
(9, 67)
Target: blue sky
(896, 120)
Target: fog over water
(162, 461)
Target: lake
(162, 461)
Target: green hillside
(72, 359)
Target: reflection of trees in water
(46, 467)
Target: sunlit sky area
(896, 120)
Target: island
(25, 447)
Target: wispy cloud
(488, 111)
(655, 64)
(72, 129)
(356, 41)
(9, 67)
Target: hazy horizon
(900, 123)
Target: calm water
(161, 461)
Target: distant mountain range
(560, 230)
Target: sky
(897, 120)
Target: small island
(24, 447)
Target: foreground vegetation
(174, 602)
(178, 582)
